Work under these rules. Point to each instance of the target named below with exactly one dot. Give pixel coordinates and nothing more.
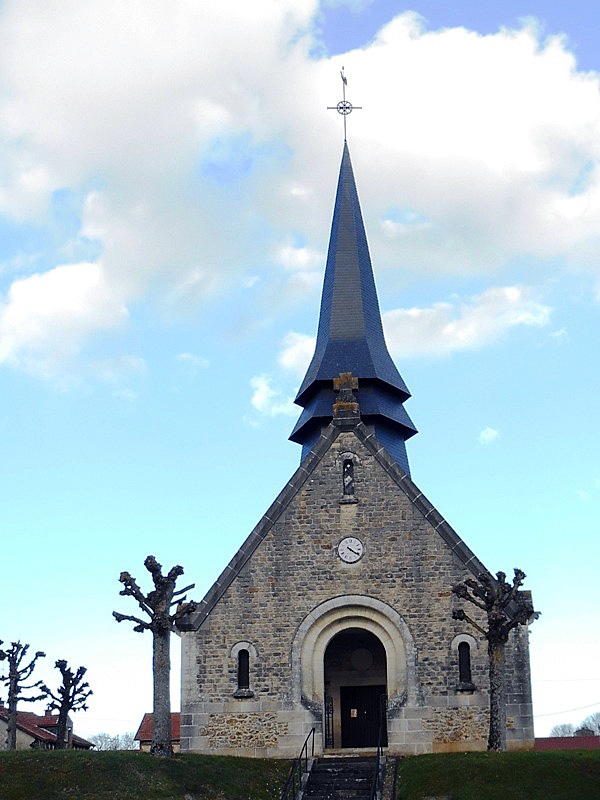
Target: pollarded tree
(71, 695)
(506, 607)
(158, 606)
(18, 673)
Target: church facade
(336, 612)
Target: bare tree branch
(460, 614)
(131, 588)
(141, 625)
(183, 591)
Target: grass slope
(75, 775)
(558, 775)
(55, 775)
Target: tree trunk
(61, 728)
(11, 727)
(161, 724)
(497, 735)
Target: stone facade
(249, 730)
(312, 624)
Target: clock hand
(356, 553)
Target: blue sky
(167, 174)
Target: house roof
(41, 727)
(307, 466)
(350, 334)
(144, 732)
(31, 724)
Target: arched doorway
(355, 674)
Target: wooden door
(361, 711)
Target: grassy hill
(56, 775)
(559, 775)
(137, 776)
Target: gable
(316, 467)
(144, 732)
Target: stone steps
(340, 779)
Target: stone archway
(346, 613)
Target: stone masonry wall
(243, 730)
(406, 565)
(458, 725)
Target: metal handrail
(294, 779)
(376, 781)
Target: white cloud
(439, 329)
(477, 172)
(488, 435)
(46, 318)
(269, 401)
(112, 370)
(303, 284)
(192, 362)
(299, 258)
(355, 6)
(560, 334)
(202, 156)
(298, 349)
(132, 97)
(305, 270)
(462, 324)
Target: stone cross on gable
(344, 385)
(346, 404)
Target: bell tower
(350, 337)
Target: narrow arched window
(348, 476)
(464, 663)
(243, 669)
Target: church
(336, 611)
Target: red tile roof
(38, 726)
(144, 732)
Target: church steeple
(350, 336)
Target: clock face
(350, 549)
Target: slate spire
(350, 336)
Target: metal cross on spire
(344, 107)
